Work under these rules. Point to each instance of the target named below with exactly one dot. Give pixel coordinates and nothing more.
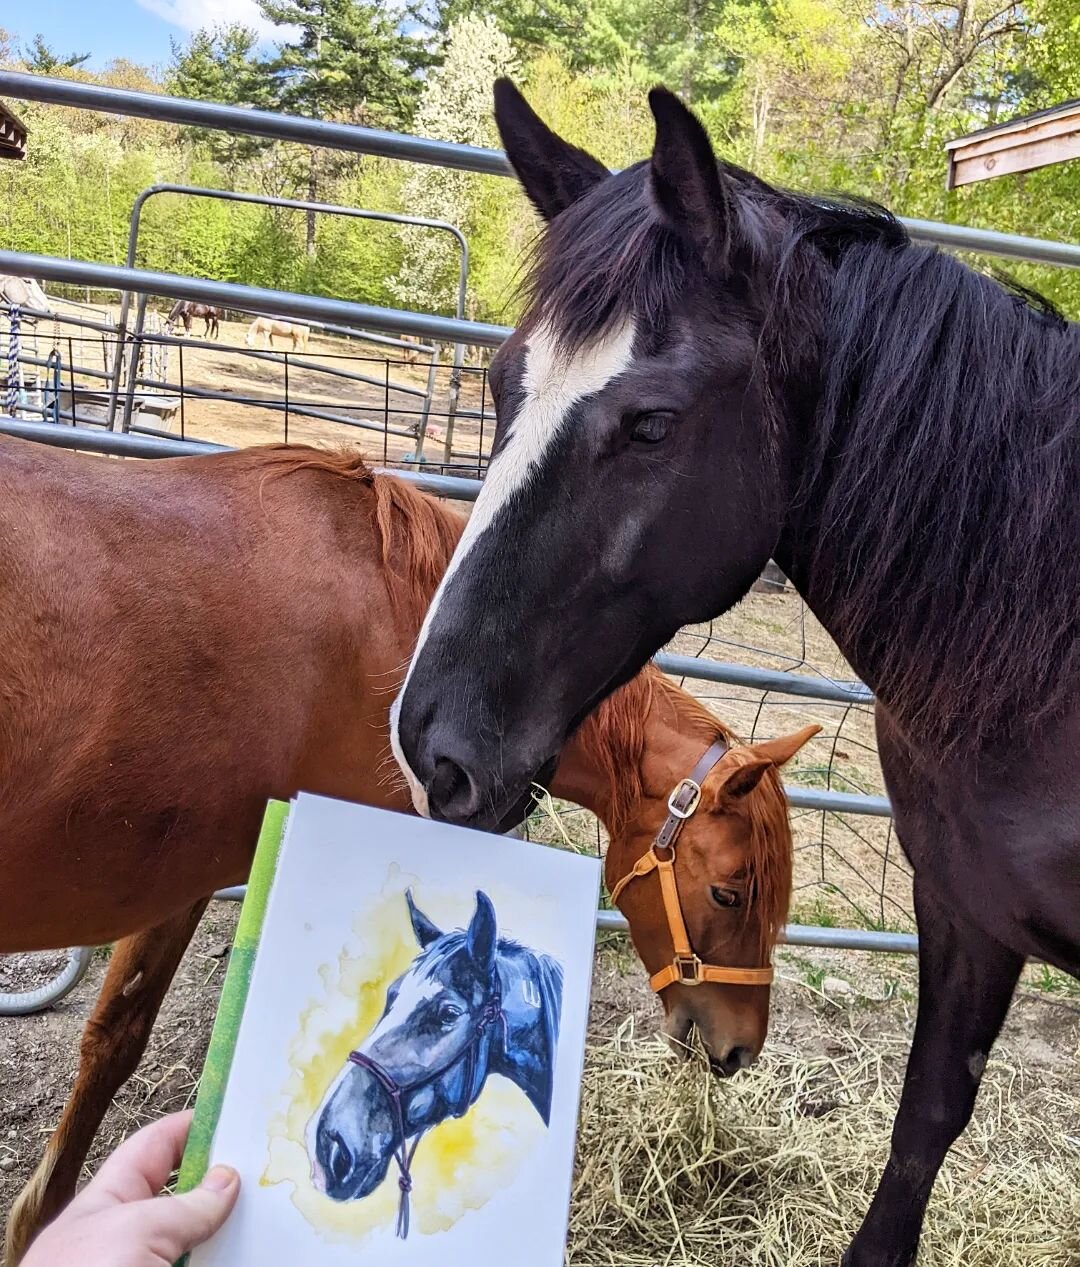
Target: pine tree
(349, 60)
(41, 60)
(221, 65)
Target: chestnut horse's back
(177, 636)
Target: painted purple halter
(491, 1014)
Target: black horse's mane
(942, 481)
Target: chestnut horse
(187, 638)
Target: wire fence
(337, 391)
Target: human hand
(119, 1220)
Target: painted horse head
(469, 1005)
(644, 459)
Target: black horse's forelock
(605, 258)
(943, 469)
(611, 256)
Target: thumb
(177, 1224)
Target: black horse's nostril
(339, 1160)
(452, 792)
(737, 1058)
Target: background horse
(134, 770)
(270, 328)
(478, 1017)
(184, 310)
(712, 372)
(23, 292)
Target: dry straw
(777, 1166)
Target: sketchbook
(396, 1062)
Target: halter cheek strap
(491, 1014)
(686, 968)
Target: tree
(41, 59)
(348, 60)
(221, 65)
(456, 106)
(640, 40)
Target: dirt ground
(825, 1003)
(234, 397)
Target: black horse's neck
(932, 529)
(526, 1056)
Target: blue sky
(136, 29)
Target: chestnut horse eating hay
(711, 373)
(186, 638)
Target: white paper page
(491, 1185)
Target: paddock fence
(766, 668)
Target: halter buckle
(688, 968)
(676, 805)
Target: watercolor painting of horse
(471, 1004)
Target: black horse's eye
(725, 897)
(650, 428)
(448, 1013)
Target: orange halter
(686, 968)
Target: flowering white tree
(456, 105)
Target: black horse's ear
(552, 172)
(482, 935)
(425, 930)
(687, 187)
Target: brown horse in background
(184, 310)
(188, 638)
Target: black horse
(471, 1004)
(711, 373)
(184, 310)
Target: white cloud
(194, 15)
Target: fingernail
(218, 1178)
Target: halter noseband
(491, 1014)
(686, 968)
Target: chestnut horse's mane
(417, 535)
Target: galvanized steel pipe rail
(251, 298)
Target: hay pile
(777, 1166)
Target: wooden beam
(12, 134)
(1022, 146)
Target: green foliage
(41, 59)
(346, 58)
(221, 65)
(820, 95)
(455, 107)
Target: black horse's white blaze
(553, 382)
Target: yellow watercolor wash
(461, 1163)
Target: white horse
(270, 328)
(23, 292)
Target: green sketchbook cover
(219, 1055)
